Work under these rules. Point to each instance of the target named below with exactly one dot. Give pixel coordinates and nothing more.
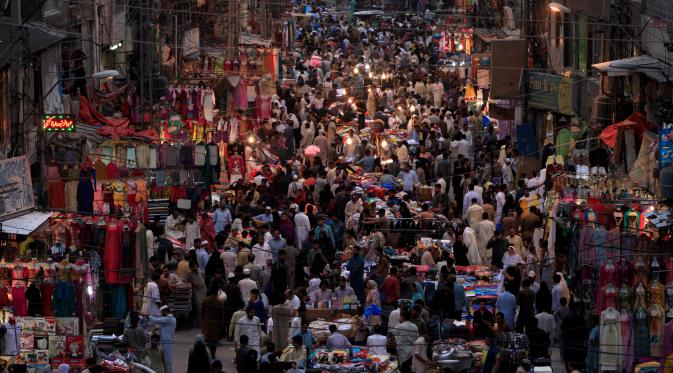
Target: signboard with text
(666, 144)
(16, 187)
(58, 122)
(550, 92)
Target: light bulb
(367, 67)
(251, 139)
(384, 144)
(399, 108)
(349, 141)
(370, 75)
(356, 71)
(412, 108)
(383, 76)
(350, 100)
(89, 290)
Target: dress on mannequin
(656, 320)
(610, 340)
(641, 333)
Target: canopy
(25, 224)
(645, 64)
(610, 134)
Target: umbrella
(311, 150)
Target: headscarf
(63, 368)
(313, 285)
(565, 291)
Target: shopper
(406, 334)
(199, 358)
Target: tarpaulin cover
(114, 128)
(636, 121)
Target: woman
(543, 298)
(417, 291)
(199, 358)
(372, 294)
(212, 319)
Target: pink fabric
(626, 337)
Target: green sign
(550, 92)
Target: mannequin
(63, 270)
(657, 294)
(625, 297)
(640, 295)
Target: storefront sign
(666, 144)
(550, 92)
(16, 187)
(58, 122)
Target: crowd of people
(303, 230)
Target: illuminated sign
(58, 122)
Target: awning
(254, 40)
(25, 224)
(39, 36)
(645, 64)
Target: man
(295, 353)
(228, 257)
(343, 290)
(485, 229)
(556, 293)
(500, 199)
(151, 297)
(377, 342)
(243, 252)
(526, 302)
(246, 285)
(323, 228)
(256, 272)
(409, 179)
(336, 340)
(420, 360)
(418, 320)
(459, 298)
(242, 353)
(506, 303)
(183, 265)
(492, 360)
(302, 226)
(474, 213)
(154, 357)
(367, 162)
(222, 216)
(202, 255)
(468, 197)
(498, 247)
(406, 291)
(276, 243)
(483, 320)
(534, 285)
(249, 325)
(292, 300)
(172, 222)
(546, 322)
(538, 338)
(356, 266)
(405, 335)
(266, 217)
(166, 323)
(261, 251)
(353, 207)
(391, 288)
(307, 336)
(560, 314)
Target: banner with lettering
(550, 92)
(16, 187)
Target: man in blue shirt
(201, 255)
(266, 217)
(307, 336)
(222, 217)
(506, 303)
(367, 162)
(276, 243)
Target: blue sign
(666, 144)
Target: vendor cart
(180, 300)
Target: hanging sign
(666, 144)
(58, 122)
(16, 187)
(550, 92)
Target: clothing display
(610, 340)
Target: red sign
(58, 122)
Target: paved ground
(184, 340)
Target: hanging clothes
(34, 298)
(112, 252)
(208, 102)
(641, 333)
(19, 301)
(46, 292)
(610, 340)
(656, 320)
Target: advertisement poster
(27, 341)
(57, 346)
(41, 342)
(67, 326)
(75, 346)
(50, 325)
(16, 187)
(666, 144)
(550, 92)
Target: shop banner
(666, 144)
(16, 187)
(550, 92)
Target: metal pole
(17, 80)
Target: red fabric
(19, 301)
(635, 121)
(46, 291)
(112, 170)
(56, 194)
(89, 114)
(111, 258)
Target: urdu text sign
(550, 92)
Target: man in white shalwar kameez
(250, 325)
(302, 229)
(470, 239)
